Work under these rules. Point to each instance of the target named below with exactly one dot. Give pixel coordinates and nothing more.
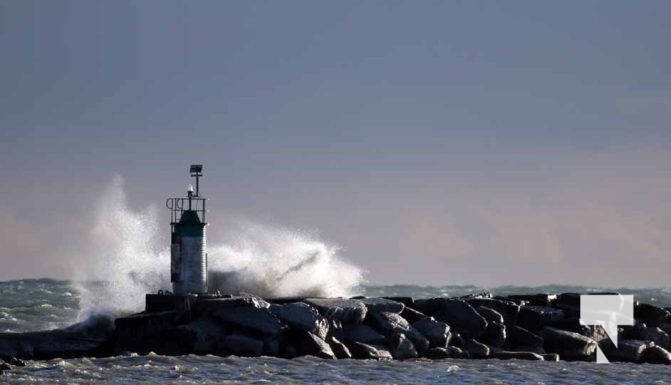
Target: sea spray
(129, 258)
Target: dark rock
(201, 335)
(508, 309)
(340, 309)
(412, 315)
(14, 361)
(301, 316)
(490, 315)
(506, 355)
(208, 306)
(437, 353)
(568, 299)
(383, 305)
(570, 346)
(5, 366)
(362, 333)
(407, 301)
(534, 299)
(536, 317)
(651, 315)
(520, 338)
(656, 355)
(241, 345)
(457, 340)
(335, 330)
(339, 349)
(651, 333)
(456, 352)
(253, 319)
(438, 333)
(494, 335)
(476, 349)
(148, 332)
(456, 313)
(572, 325)
(312, 345)
(401, 347)
(368, 352)
(554, 357)
(627, 350)
(390, 323)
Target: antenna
(196, 170)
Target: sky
(435, 142)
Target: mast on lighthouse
(188, 255)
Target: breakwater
(532, 327)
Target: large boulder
(390, 323)
(412, 315)
(241, 345)
(508, 309)
(148, 332)
(340, 309)
(363, 351)
(507, 355)
(627, 350)
(383, 305)
(438, 333)
(569, 345)
(490, 314)
(536, 317)
(494, 335)
(312, 345)
(401, 347)
(201, 335)
(651, 333)
(301, 316)
(534, 299)
(251, 319)
(521, 339)
(339, 349)
(476, 349)
(362, 333)
(656, 355)
(456, 313)
(651, 315)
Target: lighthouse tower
(188, 255)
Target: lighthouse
(188, 254)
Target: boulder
(253, 319)
(362, 333)
(656, 355)
(568, 299)
(383, 305)
(508, 309)
(536, 317)
(507, 355)
(301, 316)
(651, 315)
(534, 299)
(204, 307)
(241, 345)
(412, 315)
(476, 349)
(554, 357)
(437, 353)
(335, 330)
(490, 314)
(437, 333)
(494, 335)
(339, 349)
(569, 345)
(148, 332)
(340, 309)
(201, 335)
(14, 361)
(390, 323)
(651, 333)
(401, 347)
(5, 366)
(456, 313)
(407, 301)
(627, 350)
(310, 344)
(521, 339)
(368, 352)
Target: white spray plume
(128, 260)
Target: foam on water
(128, 259)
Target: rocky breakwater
(529, 327)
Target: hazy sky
(509, 142)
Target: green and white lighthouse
(188, 254)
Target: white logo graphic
(609, 311)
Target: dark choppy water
(43, 304)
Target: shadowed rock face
(364, 328)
